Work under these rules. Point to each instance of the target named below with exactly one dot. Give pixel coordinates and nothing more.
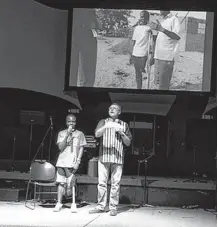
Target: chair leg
(34, 197)
(27, 192)
(39, 190)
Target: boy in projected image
(142, 46)
(71, 143)
(84, 46)
(166, 48)
(114, 134)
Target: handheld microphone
(70, 130)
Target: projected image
(139, 49)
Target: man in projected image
(84, 46)
(114, 134)
(142, 46)
(71, 143)
(165, 48)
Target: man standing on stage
(71, 143)
(114, 134)
(165, 49)
(142, 46)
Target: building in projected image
(192, 57)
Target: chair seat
(50, 184)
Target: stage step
(156, 196)
(176, 192)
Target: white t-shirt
(68, 157)
(141, 38)
(166, 48)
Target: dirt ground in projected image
(114, 71)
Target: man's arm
(100, 129)
(151, 42)
(126, 136)
(126, 139)
(172, 34)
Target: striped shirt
(111, 143)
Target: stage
(16, 214)
(160, 191)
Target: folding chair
(42, 174)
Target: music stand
(30, 118)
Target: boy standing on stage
(114, 134)
(71, 144)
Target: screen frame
(209, 66)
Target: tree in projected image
(114, 22)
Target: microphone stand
(13, 155)
(50, 129)
(145, 179)
(50, 141)
(30, 141)
(145, 202)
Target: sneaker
(96, 211)
(73, 208)
(113, 213)
(58, 207)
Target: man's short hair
(116, 104)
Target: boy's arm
(62, 141)
(81, 149)
(80, 152)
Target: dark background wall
(32, 49)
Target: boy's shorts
(65, 176)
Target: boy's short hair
(70, 115)
(145, 15)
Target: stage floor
(16, 214)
